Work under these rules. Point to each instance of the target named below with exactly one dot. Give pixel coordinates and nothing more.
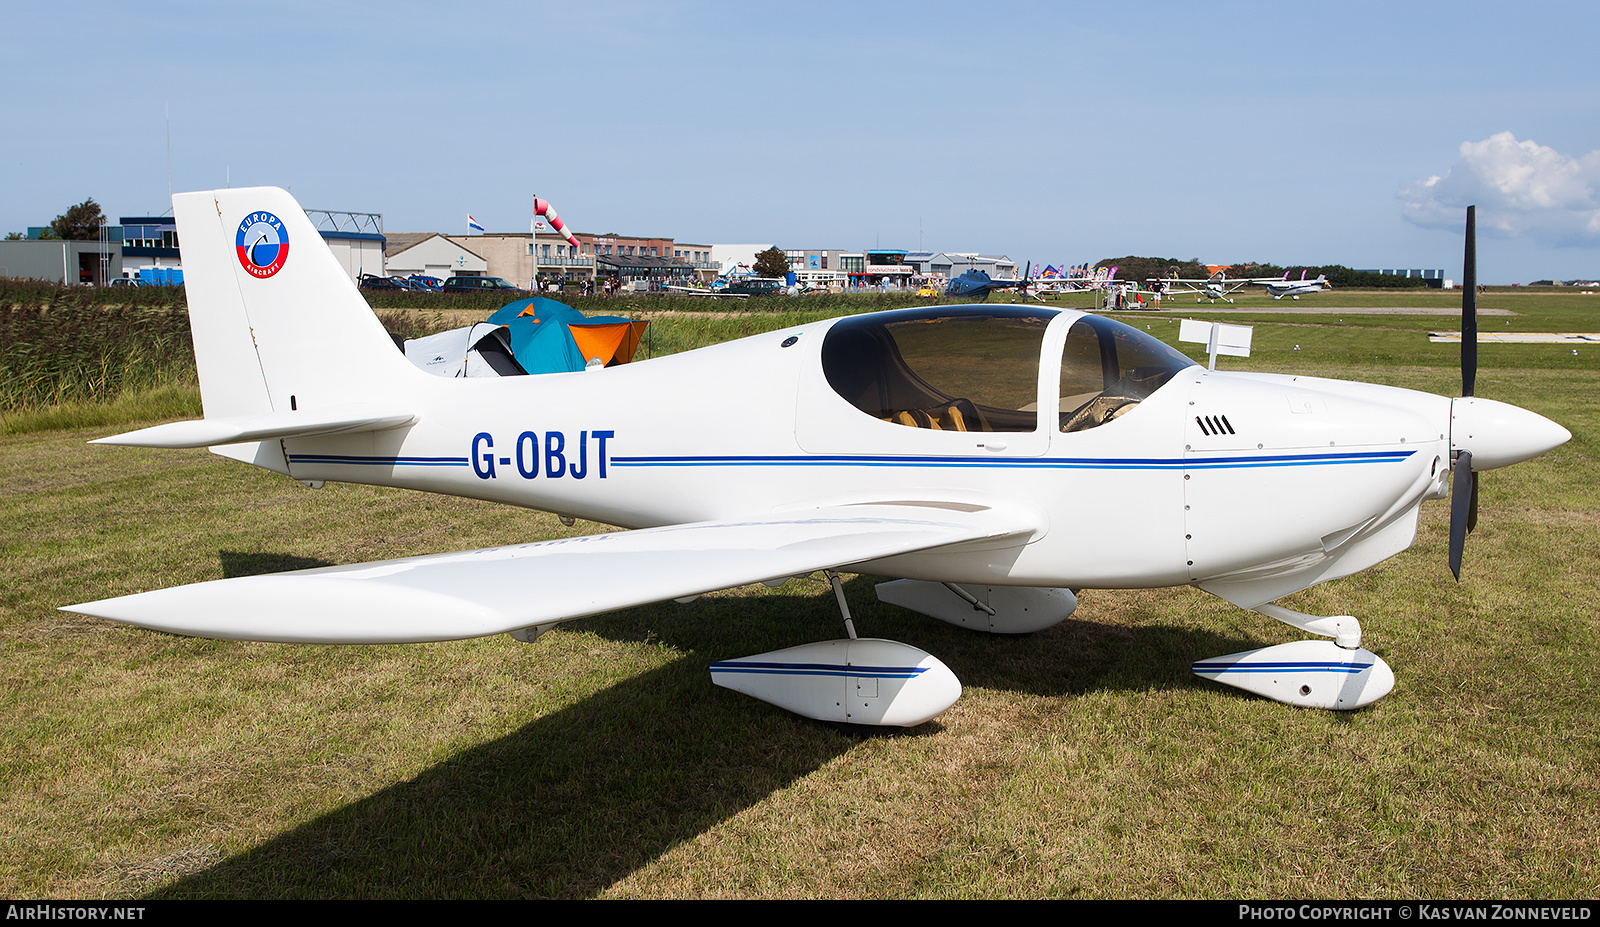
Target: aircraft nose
(1499, 434)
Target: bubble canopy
(976, 368)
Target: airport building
(88, 262)
(145, 248)
(149, 249)
(820, 269)
(697, 257)
(430, 254)
(356, 239)
(526, 258)
(511, 256)
(943, 266)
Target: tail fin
(278, 324)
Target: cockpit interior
(968, 368)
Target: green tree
(771, 263)
(1139, 269)
(80, 223)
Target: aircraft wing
(481, 592)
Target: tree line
(79, 223)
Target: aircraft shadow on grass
(575, 801)
(245, 563)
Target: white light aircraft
(1217, 286)
(1220, 286)
(1296, 288)
(994, 458)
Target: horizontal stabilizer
(210, 432)
(481, 592)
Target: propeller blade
(1469, 307)
(1463, 508)
(1472, 511)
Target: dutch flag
(473, 224)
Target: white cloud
(1520, 188)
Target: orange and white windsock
(542, 208)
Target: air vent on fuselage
(1214, 424)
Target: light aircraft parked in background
(1297, 288)
(1220, 286)
(1217, 286)
(993, 458)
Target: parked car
(756, 286)
(376, 282)
(425, 282)
(477, 285)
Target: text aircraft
(993, 458)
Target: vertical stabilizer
(278, 324)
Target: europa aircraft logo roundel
(262, 243)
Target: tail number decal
(553, 457)
(262, 244)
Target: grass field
(1084, 761)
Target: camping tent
(549, 337)
(536, 335)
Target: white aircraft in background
(994, 458)
(1297, 288)
(1220, 286)
(1217, 286)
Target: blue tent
(552, 337)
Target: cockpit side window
(949, 372)
(1107, 368)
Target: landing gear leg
(1344, 629)
(844, 607)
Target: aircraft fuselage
(1192, 485)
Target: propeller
(1464, 481)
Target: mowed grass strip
(1083, 761)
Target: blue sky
(1351, 133)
